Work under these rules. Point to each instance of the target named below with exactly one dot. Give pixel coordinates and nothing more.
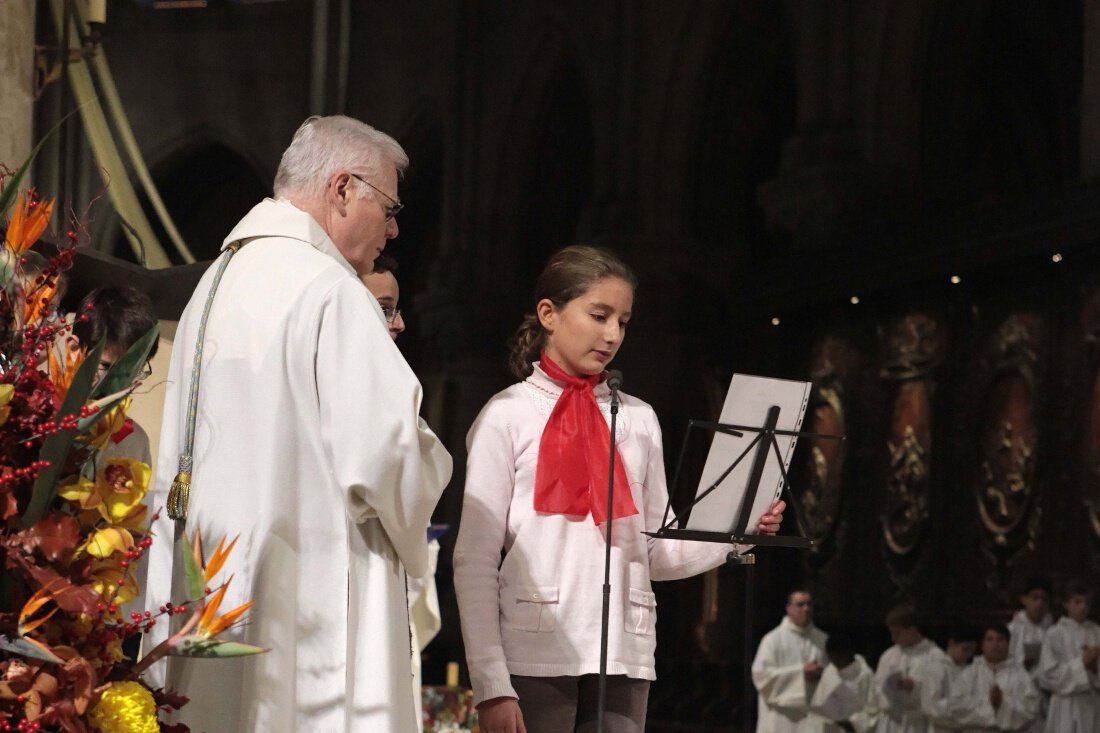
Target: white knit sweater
(537, 611)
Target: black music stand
(765, 445)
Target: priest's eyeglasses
(390, 313)
(393, 209)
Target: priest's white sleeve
(490, 481)
(385, 458)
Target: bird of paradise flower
(198, 635)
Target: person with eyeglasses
(119, 316)
(382, 284)
(298, 429)
(424, 617)
(787, 668)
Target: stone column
(16, 80)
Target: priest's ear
(339, 191)
(547, 313)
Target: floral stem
(165, 648)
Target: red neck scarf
(571, 473)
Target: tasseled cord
(179, 495)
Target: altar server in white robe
(787, 667)
(1068, 666)
(1028, 627)
(309, 446)
(995, 692)
(1030, 624)
(905, 674)
(962, 643)
(845, 696)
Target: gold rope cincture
(179, 496)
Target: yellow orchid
(105, 577)
(102, 430)
(28, 220)
(114, 498)
(123, 483)
(6, 392)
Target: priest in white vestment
(308, 445)
(1068, 667)
(995, 693)
(845, 696)
(906, 674)
(787, 667)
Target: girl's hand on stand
(769, 523)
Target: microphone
(614, 380)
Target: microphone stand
(614, 381)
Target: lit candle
(97, 11)
(452, 674)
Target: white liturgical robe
(1026, 640)
(785, 693)
(846, 694)
(903, 711)
(1074, 689)
(309, 446)
(971, 708)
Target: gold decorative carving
(907, 493)
(1005, 485)
(914, 348)
(1006, 476)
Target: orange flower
(61, 374)
(210, 623)
(37, 300)
(28, 220)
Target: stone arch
(207, 185)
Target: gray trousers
(568, 704)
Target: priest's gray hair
(324, 145)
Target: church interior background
(895, 201)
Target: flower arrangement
(448, 710)
(74, 525)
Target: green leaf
(27, 649)
(105, 405)
(198, 646)
(122, 374)
(57, 447)
(11, 186)
(196, 582)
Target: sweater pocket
(534, 608)
(641, 614)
